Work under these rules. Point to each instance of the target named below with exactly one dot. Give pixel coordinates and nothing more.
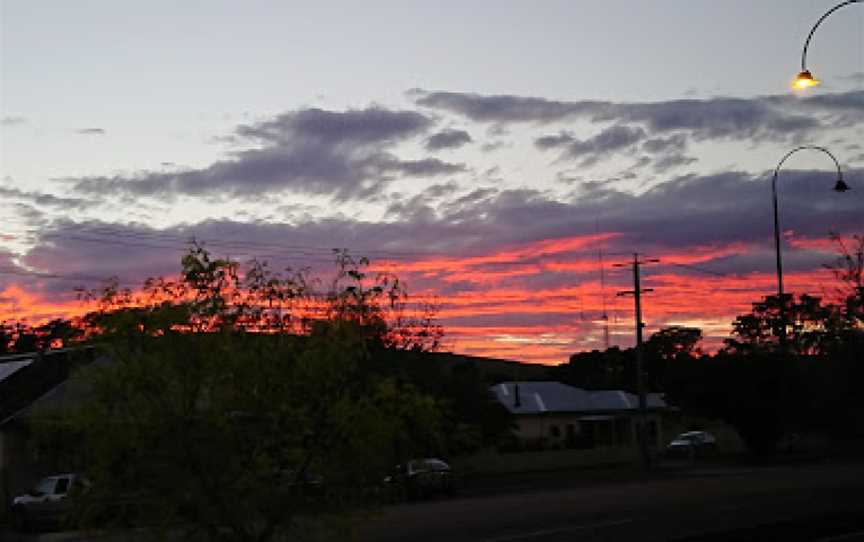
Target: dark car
(307, 484)
(692, 444)
(421, 478)
(47, 503)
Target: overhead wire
(698, 269)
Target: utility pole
(642, 419)
(605, 316)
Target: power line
(318, 254)
(56, 276)
(699, 269)
(245, 244)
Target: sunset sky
(485, 151)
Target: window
(45, 486)
(435, 465)
(62, 486)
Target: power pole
(605, 316)
(642, 419)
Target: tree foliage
(223, 393)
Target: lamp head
(841, 185)
(805, 80)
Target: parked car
(420, 478)
(692, 443)
(47, 503)
(308, 484)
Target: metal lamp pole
(840, 186)
(805, 79)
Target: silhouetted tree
(810, 326)
(26, 339)
(7, 336)
(217, 426)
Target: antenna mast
(605, 315)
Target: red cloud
(520, 304)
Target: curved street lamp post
(839, 186)
(805, 79)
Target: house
(554, 415)
(27, 383)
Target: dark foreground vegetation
(771, 393)
(242, 406)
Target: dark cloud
(505, 108)
(371, 126)
(601, 146)
(760, 118)
(420, 207)
(661, 145)
(609, 140)
(554, 141)
(669, 161)
(448, 139)
(428, 167)
(91, 131)
(313, 151)
(667, 152)
(45, 200)
(714, 118)
(855, 78)
(688, 213)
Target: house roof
(540, 397)
(66, 393)
(10, 367)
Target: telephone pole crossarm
(642, 419)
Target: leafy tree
(810, 326)
(610, 369)
(7, 335)
(848, 268)
(26, 339)
(674, 342)
(197, 420)
(666, 352)
(57, 333)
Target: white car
(46, 502)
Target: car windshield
(435, 464)
(45, 486)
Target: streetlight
(805, 79)
(839, 186)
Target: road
(814, 502)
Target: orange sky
(496, 311)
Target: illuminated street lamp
(805, 79)
(839, 186)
